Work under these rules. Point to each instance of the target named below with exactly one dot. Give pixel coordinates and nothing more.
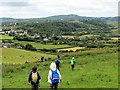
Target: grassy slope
(42, 46)
(94, 68)
(18, 56)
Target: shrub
(71, 51)
(49, 58)
(22, 67)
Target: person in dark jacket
(57, 62)
(34, 78)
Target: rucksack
(55, 77)
(34, 77)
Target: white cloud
(44, 8)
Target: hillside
(17, 56)
(92, 41)
(95, 68)
(59, 27)
(59, 17)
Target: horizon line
(57, 15)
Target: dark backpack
(55, 77)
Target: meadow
(5, 37)
(113, 23)
(38, 45)
(19, 56)
(95, 68)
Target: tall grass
(96, 68)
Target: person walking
(34, 78)
(72, 62)
(57, 62)
(54, 77)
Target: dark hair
(34, 69)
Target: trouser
(53, 86)
(72, 67)
(58, 67)
(34, 86)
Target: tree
(29, 47)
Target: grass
(114, 32)
(67, 36)
(43, 46)
(5, 37)
(88, 35)
(113, 23)
(17, 56)
(95, 68)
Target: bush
(49, 58)
(30, 47)
(22, 67)
(71, 51)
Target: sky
(45, 8)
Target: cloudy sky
(45, 8)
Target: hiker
(34, 78)
(72, 62)
(42, 58)
(54, 77)
(57, 62)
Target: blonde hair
(52, 65)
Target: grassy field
(113, 23)
(42, 46)
(69, 37)
(17, 56)
(95, 68)
(5, 37)
(114, 32)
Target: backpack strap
(53, 71)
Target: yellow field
(71, 49)
(115, 39)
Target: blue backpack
(55, 77)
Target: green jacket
(72, 61)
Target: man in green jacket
(72, 62)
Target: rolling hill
(59, 17)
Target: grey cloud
(43, 8)
(14, 4)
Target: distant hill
(60, 17)
(68, 17)
(6, 19)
